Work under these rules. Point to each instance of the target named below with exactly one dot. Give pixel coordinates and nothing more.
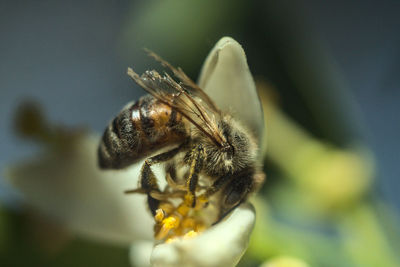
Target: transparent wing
(188, 101)
(188, 83)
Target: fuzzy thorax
(240, 150)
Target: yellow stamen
(170, 240)
(190, 235)
(183, 209)
(168, 223)
(199, 227)
(159, 215)
(188, 222)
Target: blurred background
(327, 73)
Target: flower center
(181, 220)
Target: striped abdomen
(139, 130)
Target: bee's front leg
(148, 181)
(196, 164)
(214, 188)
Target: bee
(183, 121)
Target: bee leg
(195, 167)
(176, 219)
(214, 188)
(148, 181)
(167, 195)
(135, 191)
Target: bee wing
(189, 84)
(183, 98)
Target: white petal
(227, 80)
(140, 252)
(221, 245)
(69, 186)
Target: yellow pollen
(183, 209)
(168, 223)
(159, 215)
(179, 219)
(188, 222)
(200, 227)
(171, 222)
(190, 235)
(170, 240)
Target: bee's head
(241, 184)
(238, 152)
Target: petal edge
(226, 78)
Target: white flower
(67, 184)
(226, 78)
(221, 245)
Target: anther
(160, 214)
(168, 223)
(190, 235)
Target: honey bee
(218, 153)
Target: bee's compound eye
(237, 190)
(232, 198)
